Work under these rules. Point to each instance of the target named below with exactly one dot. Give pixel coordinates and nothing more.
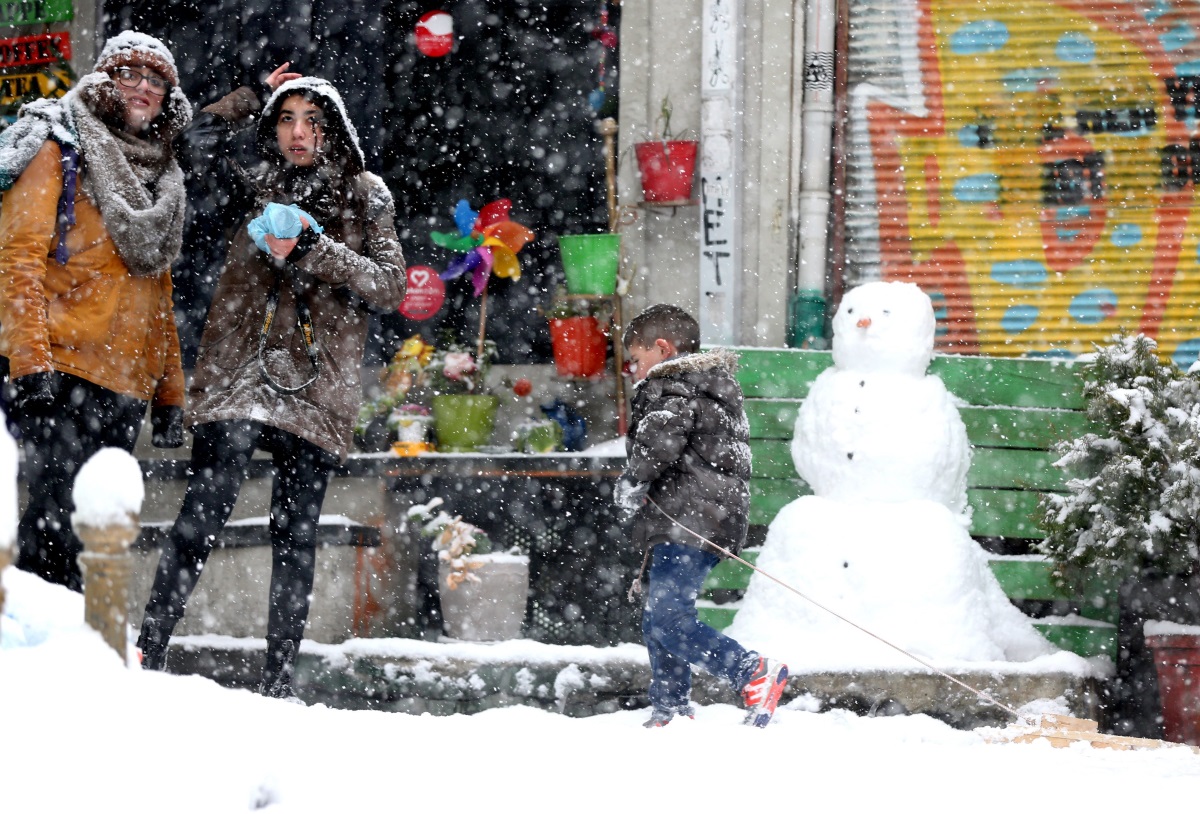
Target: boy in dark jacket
(686, 479)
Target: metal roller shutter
(1032, 164)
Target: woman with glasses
(90, 223)
(279, 362)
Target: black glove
(304, 244)
(167, 425)
(33, 393)
(630, 495)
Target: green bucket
(591, 262)
(463, 423)
(806, 320)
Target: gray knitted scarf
(138, 187)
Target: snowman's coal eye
(849, 310)
(886, 312)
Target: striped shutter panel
(1032, 165)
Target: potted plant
(579, 336)
(409, 425)
(538, 437)
(483, 593)
(667, 166)
(1130, 513)
(403, 396)
(464, 410)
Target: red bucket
(667, 169)
(1177, 661)
(580, 346)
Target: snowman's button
(850, 456)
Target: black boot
(278, 670)
(153, 643)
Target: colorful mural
(1043, 187)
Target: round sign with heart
(425, 295)
(435, 34)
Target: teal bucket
(806, 320)
(591, 262)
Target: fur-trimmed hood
(717, 358)
(341, 137)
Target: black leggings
(57, 441)
(220, 459)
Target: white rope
(980, 693)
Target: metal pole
(608, 128)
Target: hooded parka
(689, 440)
(355, 266)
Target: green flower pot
(590, 263)
(463, 423)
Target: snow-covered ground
(81, 733)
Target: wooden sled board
(1063, 730)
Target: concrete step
(444, 678)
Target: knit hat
(134, 48)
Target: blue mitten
(282, 221)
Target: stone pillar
(107, 566)
(5, 561)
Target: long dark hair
(324, 189)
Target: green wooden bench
(1017, 409)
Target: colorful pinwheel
(489, 242)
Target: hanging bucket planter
(580, 346)
(1177, 662)
(590, 263)
(667, 169)
(463, 423)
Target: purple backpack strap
(66, 202)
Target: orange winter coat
(90, 318)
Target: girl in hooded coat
(91, 221)
(279, 360)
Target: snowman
(883, 540)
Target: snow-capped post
(108, 501)
(8, 504)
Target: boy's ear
(666, 347)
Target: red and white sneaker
(763, 690)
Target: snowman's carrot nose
(865, 322)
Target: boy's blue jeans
(675, 638)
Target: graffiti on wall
(1042, 187)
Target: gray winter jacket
(689, 440)
(354, 266)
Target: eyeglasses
(131, 79)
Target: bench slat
(1005, 427)
(997, 512)
(990, 468)
(780, 373)
(1004, 513)
(1084, 640)
(783, 373)
(1017, 428)
(1015, 469)
(1011, 382)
